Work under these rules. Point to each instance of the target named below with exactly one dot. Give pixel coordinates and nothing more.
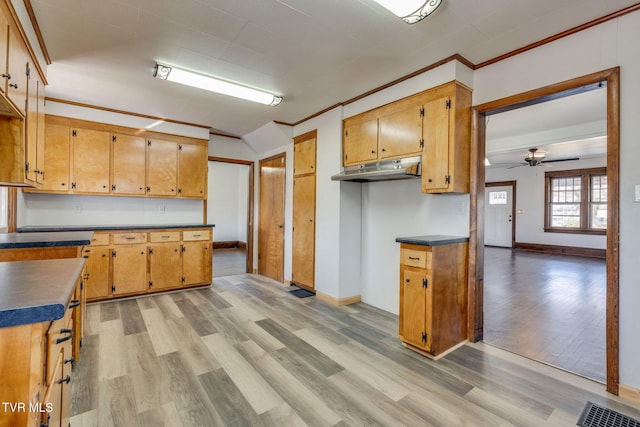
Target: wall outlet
(77, 209)
(161, 209)
(637, 198)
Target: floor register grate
(597, 416)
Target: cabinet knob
(373, 151)
(13, 85)
(407, 280)
(7, 76)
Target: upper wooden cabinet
(57, 158)
(360, 140)
(89, 170)
(162, 167)
(85, 157)
(192, 170)
(435, 124)
(304, 154)
(447, 140)
(128, 163)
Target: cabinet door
(128, 160)
(4, 45)
(164, 266)
(196, 263)
(18, 58)
(192, 170)
(31, 125)
(435, 156)
(53, 395)
(162, 165)
(304, 230)
(414, 301)
(40, 131)
(360, 141)
(129, 269)
(90, 167)
(400, 132)
(56, 157)
(304, 157)
(97, 272)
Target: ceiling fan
(536, 157)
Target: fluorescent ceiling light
(177, 75)
(411, 11)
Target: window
(497, 197)
(4, 208)
(576, 201)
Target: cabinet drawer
(100, 239)
(164, 236)
(127, 238)
(415, 258)
(191, 235)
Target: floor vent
(597, 416)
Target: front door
(271, 221)
(499, 221)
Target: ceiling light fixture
(411, 11)
(177, 75)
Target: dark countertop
(432, 240)
(50, 228)
(36, 291)
(44, 240)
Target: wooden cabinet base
(431, 356)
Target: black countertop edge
(44, 239)
(432, 240)
(47, 228)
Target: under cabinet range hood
(386, 170)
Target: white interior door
(498, 227)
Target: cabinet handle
(13, 85)
(72, 360)
(130, 238)
(7, 76)
(65, 380)
(414, 258)
(74, 303)
(67, 338)
(165, 237)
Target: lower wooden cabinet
(136, 262)
(433, 281)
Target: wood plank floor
(547, 308)
(247, 353)
(229, 262)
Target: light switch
(637, 198)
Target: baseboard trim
(338, 302)
(231, 244)
(562, 250)
(629, 393)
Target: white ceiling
(315, 53)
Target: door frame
(251, 164)
(282, 155)
(476, 227)
(511, 184)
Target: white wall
(530, 200)
(608, 45)
(227, 201)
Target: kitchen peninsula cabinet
(433, 297)
(37, 330)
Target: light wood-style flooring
(547, 308)
(229, 262)
(247, 353)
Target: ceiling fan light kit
(213, 84)
(535, 157)
(410, 11)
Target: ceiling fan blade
(560, 160)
